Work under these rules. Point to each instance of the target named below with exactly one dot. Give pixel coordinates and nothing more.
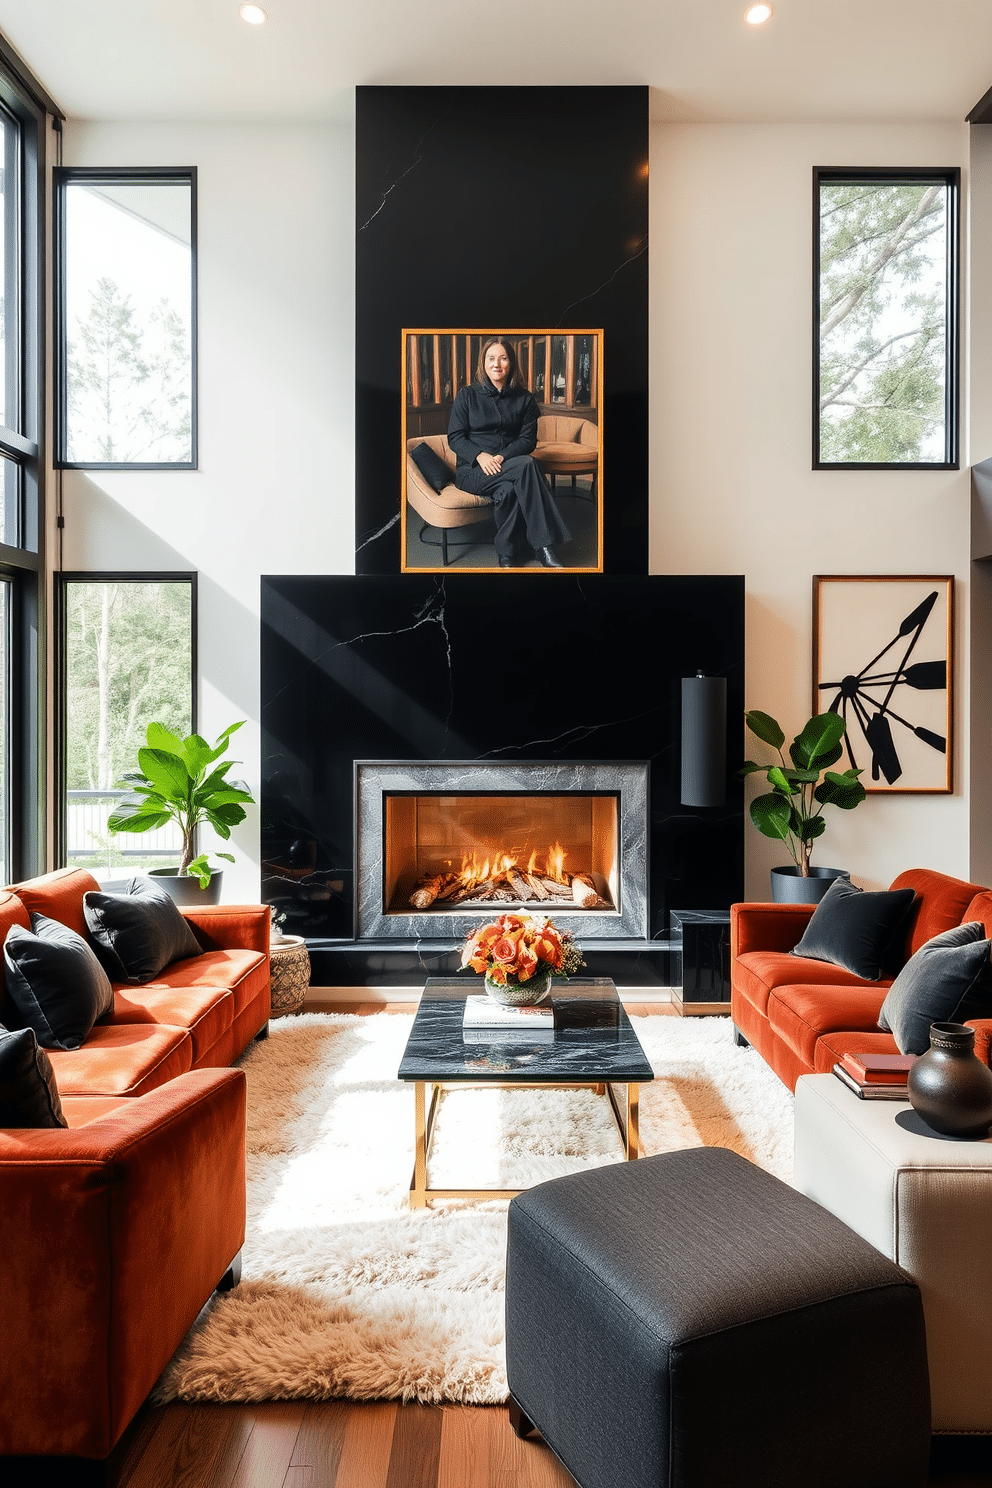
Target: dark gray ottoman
(688, 1321)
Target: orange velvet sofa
(116, 1229)
(803, 1015)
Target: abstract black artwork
(883, 659)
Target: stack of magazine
(875, 1076)
(486, 1020)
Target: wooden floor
(385, 1445)
(338, 1445)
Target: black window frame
(950, 178)
(62, 177)
(106, 576)
(22, 561)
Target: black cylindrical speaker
(704, 740)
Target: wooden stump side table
(289, 974)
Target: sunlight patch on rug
(345, 1291)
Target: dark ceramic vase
(949, 1086)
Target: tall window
(886, 318)
(5, 781)
(22, 166)
(128, 649)
(127, 325)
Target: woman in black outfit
(493, 429)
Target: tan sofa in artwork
(567, 446)
(449, 507)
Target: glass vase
(512, 993)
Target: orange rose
(505, 951)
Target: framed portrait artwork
(502, 450)
(883, 658)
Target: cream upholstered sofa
(926, 1203)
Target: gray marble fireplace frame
(375, 779)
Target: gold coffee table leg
(633, 1129)
(423, 1127)
(626, 1120)
(418, 1184)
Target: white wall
(274, 492)
(732, 489)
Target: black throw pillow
(435, 472)
(28, 1093)
(857, 930)
(949, 980)
(54, 983)
(140, 932)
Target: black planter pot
(789, 886)
(186, 890)
(949, 1086)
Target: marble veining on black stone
(488, 667)
(568, 169)
(437, 1050)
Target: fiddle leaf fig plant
(179, 780)
(791, 811)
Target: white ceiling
(839, 60)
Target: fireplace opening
(446, 853)
(442, 844)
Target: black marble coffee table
(437, 1055)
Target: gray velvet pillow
(140, 932)
(28, 1094)
(54, 983)
(947, 981)
(858, 930)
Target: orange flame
(475, 870)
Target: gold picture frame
(883, 657)
(445, 529)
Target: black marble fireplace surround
(490, 668)
(501, 208)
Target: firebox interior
(520, 848)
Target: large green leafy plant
(791, 811)
(179, 780)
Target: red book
(879, 1069)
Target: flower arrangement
(517, 947)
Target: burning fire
(474, 871)
(504, 877)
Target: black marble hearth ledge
(629, 963)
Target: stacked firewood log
(507, 886)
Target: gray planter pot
(789, 887)
(186, 890)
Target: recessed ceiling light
(256, 16)
(757, 15)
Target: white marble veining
(437, 1049)
(375, 779)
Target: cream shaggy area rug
(345, 1291)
